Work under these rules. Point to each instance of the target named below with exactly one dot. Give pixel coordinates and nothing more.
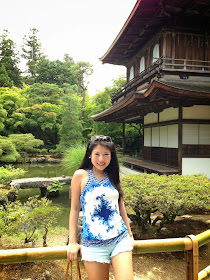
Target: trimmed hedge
(171, 196)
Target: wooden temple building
(165, 47)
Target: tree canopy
(53, 104)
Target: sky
(84, 29)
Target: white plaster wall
(169, 114)
(156, 136)
(151, 118)
(196, 166)
(173, 136)
(204, 134)
(164, 136)
(147, 137)
(197, 112)
(190, 134)
(196, 134)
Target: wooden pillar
(180, 140)
(123, 140)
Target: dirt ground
(159, 266)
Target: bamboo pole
(161, 245)
(204, 274)
(140, 247)
(33, 254)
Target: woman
(106, 233)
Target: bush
(33, 216)
(8, 152)
(172, 196)
(8, 173)
(25, 142)
(73, 158)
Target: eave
(148, 17)
(157, 97)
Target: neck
(99, 174)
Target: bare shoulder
(80, 173)
(80, 178)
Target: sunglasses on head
(99, 138)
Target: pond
(48, 170)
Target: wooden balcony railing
(190, 244)
(169, 65)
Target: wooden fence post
(192, 259)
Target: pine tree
(10, 60)
(5, 80)
(31, 51)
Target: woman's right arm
(73, 246)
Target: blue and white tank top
(102, 223)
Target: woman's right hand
(72, 251)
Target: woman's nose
(101, 158)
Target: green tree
(71, 127)
(8, 152)
(11, 99)
(44, 93)
(5, 80)
(38, 214)
(10, 60)
(82, 70)
(42, 121)
(56, 72)
(3, 115)
(31, 51)
(25, 142)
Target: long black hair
(113, 168)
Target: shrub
(171, 195)
(8, 173)
(33, 216)
(55, 186)
(38, 214)
(8, 152)
(25, 142)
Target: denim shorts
(104, 254)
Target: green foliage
(44, 93)
(55, 186)
(41, 121)
(31, 51)
(10, 218)
(38, 214)
(56, 72)
(3, 115)
(5, 80)
(172, 196)
(8, 173)
(10, 60)
(11, 99)
(71, 127)
(73, 158)
(8, 151)
(33, 216)
(25, 142)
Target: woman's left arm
(124, 216)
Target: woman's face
(100, 157)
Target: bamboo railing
(190, 244)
